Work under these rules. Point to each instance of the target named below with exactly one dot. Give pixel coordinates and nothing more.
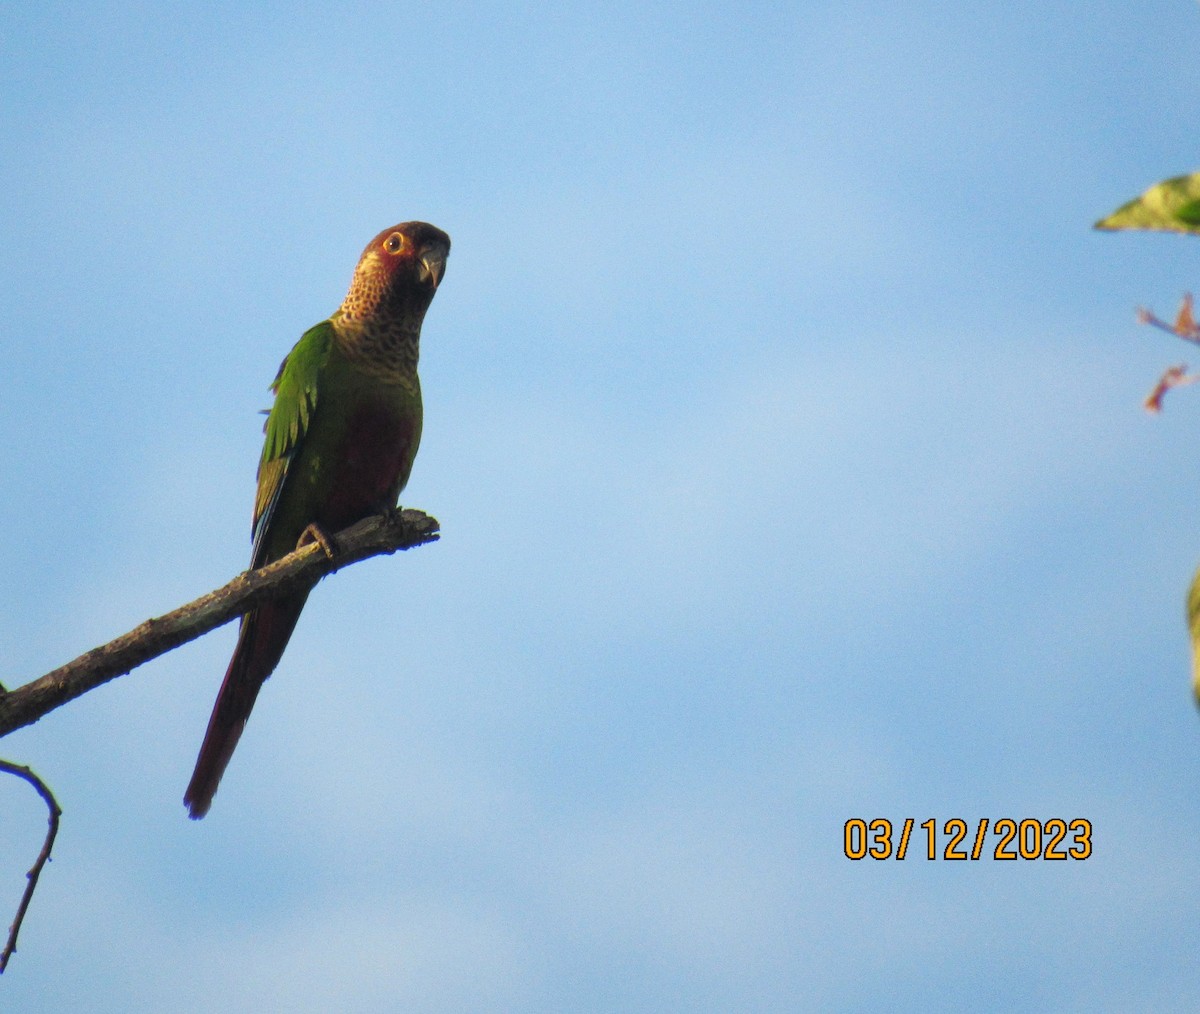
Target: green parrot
(340, 442)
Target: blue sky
(783, 420)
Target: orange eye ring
(394, 243)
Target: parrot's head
(398, 273)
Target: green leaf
(1189, 213)
(1193, 617)
(1172, 205)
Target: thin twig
(303, 568)
(1145, 316)
(10, 947)
(1185, 326)
(1174, 376)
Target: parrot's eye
(394, 243)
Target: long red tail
(263, 636)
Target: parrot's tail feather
(263, 636)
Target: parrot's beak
(433, 264)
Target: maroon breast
(372, 465)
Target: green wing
(295, 390)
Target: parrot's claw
(315, 533)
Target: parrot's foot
(315, 533)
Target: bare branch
(400, 529)
(1185, 323)
(1175, 376)
(10, 947)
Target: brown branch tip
(1174, 376)
(10, 946)
(1185, 326)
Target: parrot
(339, 444)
